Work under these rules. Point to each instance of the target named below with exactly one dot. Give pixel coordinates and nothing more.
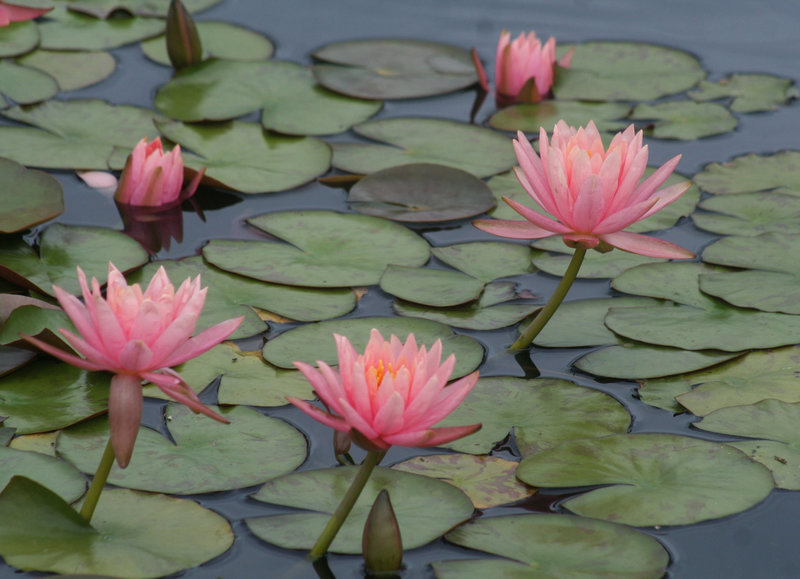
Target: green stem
(344, 508)
(544, 315)
(98, 482)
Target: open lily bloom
(391, 395)
(138, 336)
(592, 193)
(12, 13)
(524, 69)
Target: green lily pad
(750, 93)
(773, 420)
(314, 342)
(750, 173)
(292, 101)
(74, 134)
(71, 70)
(68, 30)
(685, 120)
(60, 477)
(421, 192)
(244, 157)
(488, 481)
(37, 197)
(595, 265)
(26, 85)
(18, 38)
(42, 443)
(529, 117)
(62, 248)
(476, 150)
(652, 479)
(12, 358)
(750, 214)
(206, 456)
(393, 68)
(49, 395)
(555, 546)
(543, 413)
(487, 260)
(626, 71)
(220, 40)
(105, 8)
(432, 287)
(425, 508)
(327, 249)
(35, 320)
(133, 535)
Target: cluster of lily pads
(702, 337)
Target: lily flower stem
(351, 496)
(544, 315)
(98, 482)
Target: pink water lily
(12, 13)
(592, 193)
(154, 178)
(525, 68)
(391, 395)
(138, 336)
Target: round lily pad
(749, 93)
(421, 192)
(752, 173)
(18, 38)
(554, 546)
(432, 287)
(314, 342)
(206, 456)
(529, 117)
(750, 214)
(133, 535)
(652, 479)
(477, 150)
(487, 260)
(220, 40)
(71, 70)
(59, 476)
(37, 197)
(685, 120)
(595, 265)
(425, 508)
(26, 85)
(393, 68)
(543, 413)
(323, 249)
(68, 30)
(106, 8)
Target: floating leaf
(60, 477)
(37, 197)
(595, 265)
(750, 214)
(752, 173)
(35, 320)
(393, 68)
(43, 443)
(620, 71)
(529, 117)
(421, 192)
(425, 508)
(206, 456)
(543, 413)
(18, 38)
(553, 546)
(685, 120)
(750, 92)
(653, 479)
(123, 539)
(106, 8)
(12, 358)
(26, 85)
(327, 249)
(72, 70)
(292, 101)
(476, 150)
(244, 157)
(432, 287)
(67, 30)
(220, 40)
(487, 260)
(631, 361)
(314, 342)
(488, 481)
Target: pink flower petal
(646, 245)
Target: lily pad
(37, 197)
(425, 508)
(685, 120)
(39, 531)
(750, 93)
(327, 249)
(487, 260)
(106, 8)
(206, 456)
(529, 117)
(26, 85)
(292, 101)
(626, 71)
(220, 40)
(477, 150)
(421, 192)
(543, 413)
(42, 443)
(60, 477)
(750, 214)
(244, 157)
(62, 248)
(488, 481)
(32, 320)
(71, 70)
(750, 173)
(314, 342)
(68, 30)
(18, 38)
(595, 265)
(555, 546)
(393, 68)
(432, 287)
(652, 479)
(12, 358)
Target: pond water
(727, 37)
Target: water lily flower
(524, 69)
(138, 335)
(12, 13)
(154, 178)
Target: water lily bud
(183, 42)
(381, 542)
(341, 442)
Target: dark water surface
(727, 36)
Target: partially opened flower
(12, 13)
(154, 178)
(525, 69)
